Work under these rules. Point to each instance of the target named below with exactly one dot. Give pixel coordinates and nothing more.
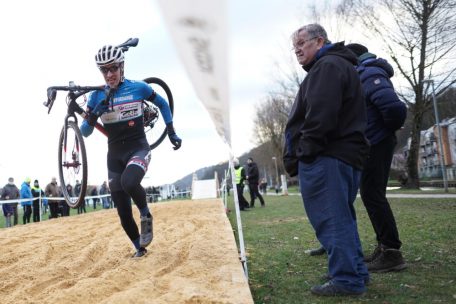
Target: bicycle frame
(74, 93)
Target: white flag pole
(199, 31)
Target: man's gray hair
(314, 30)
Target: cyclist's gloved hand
(96, 112)
(100, 108)
(175, 140)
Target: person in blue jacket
(385, 115)
(26, 192)
(120, 109)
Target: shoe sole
(327, 277)
(390, 269)
(138, 257)
(337, 294)
(146, 243)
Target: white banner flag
(199, 31)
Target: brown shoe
(389, 259)
(373, 255)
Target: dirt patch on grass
(86, 259)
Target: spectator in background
(77, 191)
(8, 213)
(104, 190)
(385, 115)
(277, 188)
(253, 179)
(325, 145)
(10, 192)
(63, 206)
(52, 191)
(36, 193)
(94, 192)
(263, 186)
(239, 180)
(26, 192)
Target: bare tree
(270, 120)
(272, 113)
(420, 38)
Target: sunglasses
(112, 69)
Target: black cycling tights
(131, 185)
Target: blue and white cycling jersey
(124, 120)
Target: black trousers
(254, 193)
(36, 211)
(27, 214)
(54, 209)
(242, 201)
(374, 179)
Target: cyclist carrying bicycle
(120, 110)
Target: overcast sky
(51, 42)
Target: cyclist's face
(112, 74)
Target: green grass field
(280, 272)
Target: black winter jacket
(253, 175)
(385, 112)
(328, 117)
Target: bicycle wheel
(72, 163)
(155, 128)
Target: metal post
(238, 217)
(437, 121)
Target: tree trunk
(413, 181)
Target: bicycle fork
(74, 162)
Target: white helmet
(235, 162)
(109, 54)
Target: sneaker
(373, 255)
(141, 252)
(252, 205)
(327, 277)
(330, 290)
(147, 233)
(389, 259)
(316, 251)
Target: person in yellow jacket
(239, 179)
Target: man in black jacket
(253, 177)
(385, 114)
(325, 145)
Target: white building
(429, 165)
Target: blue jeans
(328, 188)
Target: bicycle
(72, 156)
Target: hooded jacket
(385, 112)
(328, 117)
(26, 193)
(36, 192)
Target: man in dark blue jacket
(326, 146)
(385, 115)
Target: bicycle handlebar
(77, 90)
(131, 42)
(81, 90)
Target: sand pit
(86, 259)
